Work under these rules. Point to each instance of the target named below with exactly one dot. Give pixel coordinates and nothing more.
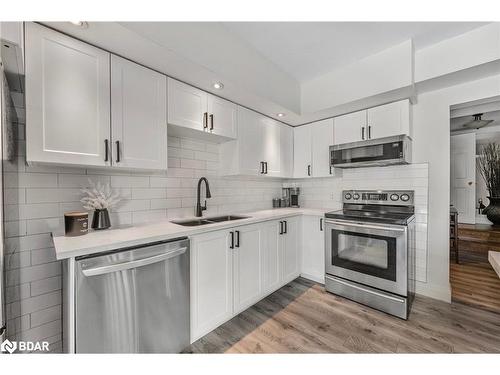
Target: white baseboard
(318, 279)
(439, 292)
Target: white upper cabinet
(199, 114)
(390, 119)
(350, 128)
(321, 140)
(286, 150)
(378, 122)
(257, 151)
(271, 138)
(312, 149)
(67, 99)
(139, 116)
(187, 106)
(222, 117)
(302, 154)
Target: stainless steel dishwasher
(133, 300)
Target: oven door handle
(366, 226)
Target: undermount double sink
(208, 220)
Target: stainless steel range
(369, 250)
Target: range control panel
(386, 197)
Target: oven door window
(365, 253)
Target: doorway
(473, 126)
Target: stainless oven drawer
(372, 297)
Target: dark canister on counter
(76, 223)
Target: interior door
(139, 116)
(463, 176)
(302, 154)
(350, 128)
(67, 99)
(322, 139)
(223, 117)
(186, 105)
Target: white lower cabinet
(313, 248)
(234, 268)
(211, 282)
(290, 250)
(248, 264)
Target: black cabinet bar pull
(369, 132)
(331, 169)
(321, 224)
(309, 170)
(106, 150)
(237, 238)
(117, 151)
(281, 227)
(363, 133)
(211, 122)
(205, 120)
(286, 227)
(232, 240)
(265, 164)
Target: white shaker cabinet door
(350, 128)
(322, 139)
(388, 120)
(248, 264)
(222, 117)
(250, 142)
(272, 256)
(187, 106)
(286, 151)
(291, 249)
(211, 282)
(139, 116)
(302, 153)
(67, 99)
(271, 140)
(313, 248)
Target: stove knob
(405, 197)
(394, 197)
(348, 196)
(355, 196)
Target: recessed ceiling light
(280, 114)
(218, 85)
(82, 24)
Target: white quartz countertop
(494, 259)
(111, 239)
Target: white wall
(382, 72)
(431, 134)
(36, 198)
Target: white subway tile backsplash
(45, 316)
(52, 195)
(44, 286)
(81, 181)
(32, 180)
(129, 181)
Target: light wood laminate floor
(302, 318)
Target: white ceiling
(306, 50)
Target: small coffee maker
(291, 196)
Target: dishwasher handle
(133, 264)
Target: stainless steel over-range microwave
(372, 153)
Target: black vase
(493, 210)
(100, 220)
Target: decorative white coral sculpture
(99, 196)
